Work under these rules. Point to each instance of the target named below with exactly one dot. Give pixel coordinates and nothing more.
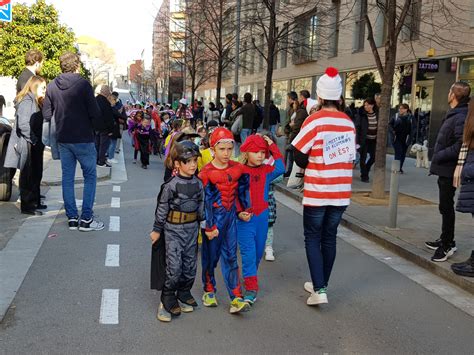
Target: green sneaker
(250, 297)
(209, 299)
(163, 315)
(239, 305)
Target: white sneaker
(308, 287)
(91, 225)
(269, 254)
(316, 298)
(112, 161)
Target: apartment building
(436, 48)
(168, 50)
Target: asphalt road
(372, 309)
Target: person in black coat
(274, 118)
(105, 127)
(401, 128)
(464, 176)
(443, 163)
(33, 62)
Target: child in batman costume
(180, 209)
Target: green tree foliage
(34, 27)
(365, 87)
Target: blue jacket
(449, 142)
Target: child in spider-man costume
(252, 235)
(224, 183)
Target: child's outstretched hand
(154, 236)
(245, 216)
(213, 234)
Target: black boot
(465, 268)
(170, 303)
(187, 298)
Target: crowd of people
(220, 168)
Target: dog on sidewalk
(421, 152)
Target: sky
(126, 26)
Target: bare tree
(402, 17)
(273, 26)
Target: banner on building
(428, 65)
(5, 10)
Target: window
(260, 57)
(245, 59)
(177, 5)
(380, 30)
(307, 40)
(334, 28)
(252, 61)
(411, 27)
(284, 47)
(360, 9)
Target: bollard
(394, 185)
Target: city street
(375, 306)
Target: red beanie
(254, 144)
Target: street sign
(5, 10)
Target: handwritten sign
(339, 148)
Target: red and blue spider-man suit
(221, 189)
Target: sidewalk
(416, 223)
(52, 174)
(10, 217)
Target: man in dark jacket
(445, 157)
(70, 99)
(249, 115)
(33, 62)
(274, 118)
(105, 125)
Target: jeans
(320, 231)
(101, 145)
(86, 154)
(400, 151)
(368, 148)
(273, 129)
(270, 234)
(244, 134)
(446, 208)
(112, 146)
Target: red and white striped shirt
(324, 185)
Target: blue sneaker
(250, 297)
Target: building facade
(433, 52)
(168, 50)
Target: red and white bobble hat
(329, 86)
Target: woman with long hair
(25, 149)
(464, 177)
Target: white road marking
(443, 289)
(116, 188)
(115, 203)
(112, 257)
(114, 224)
(109, 307)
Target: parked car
(6, 174)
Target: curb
(80, 179)
(396, 245)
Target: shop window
(358, 40)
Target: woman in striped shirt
(325, 147)
(368, 138)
